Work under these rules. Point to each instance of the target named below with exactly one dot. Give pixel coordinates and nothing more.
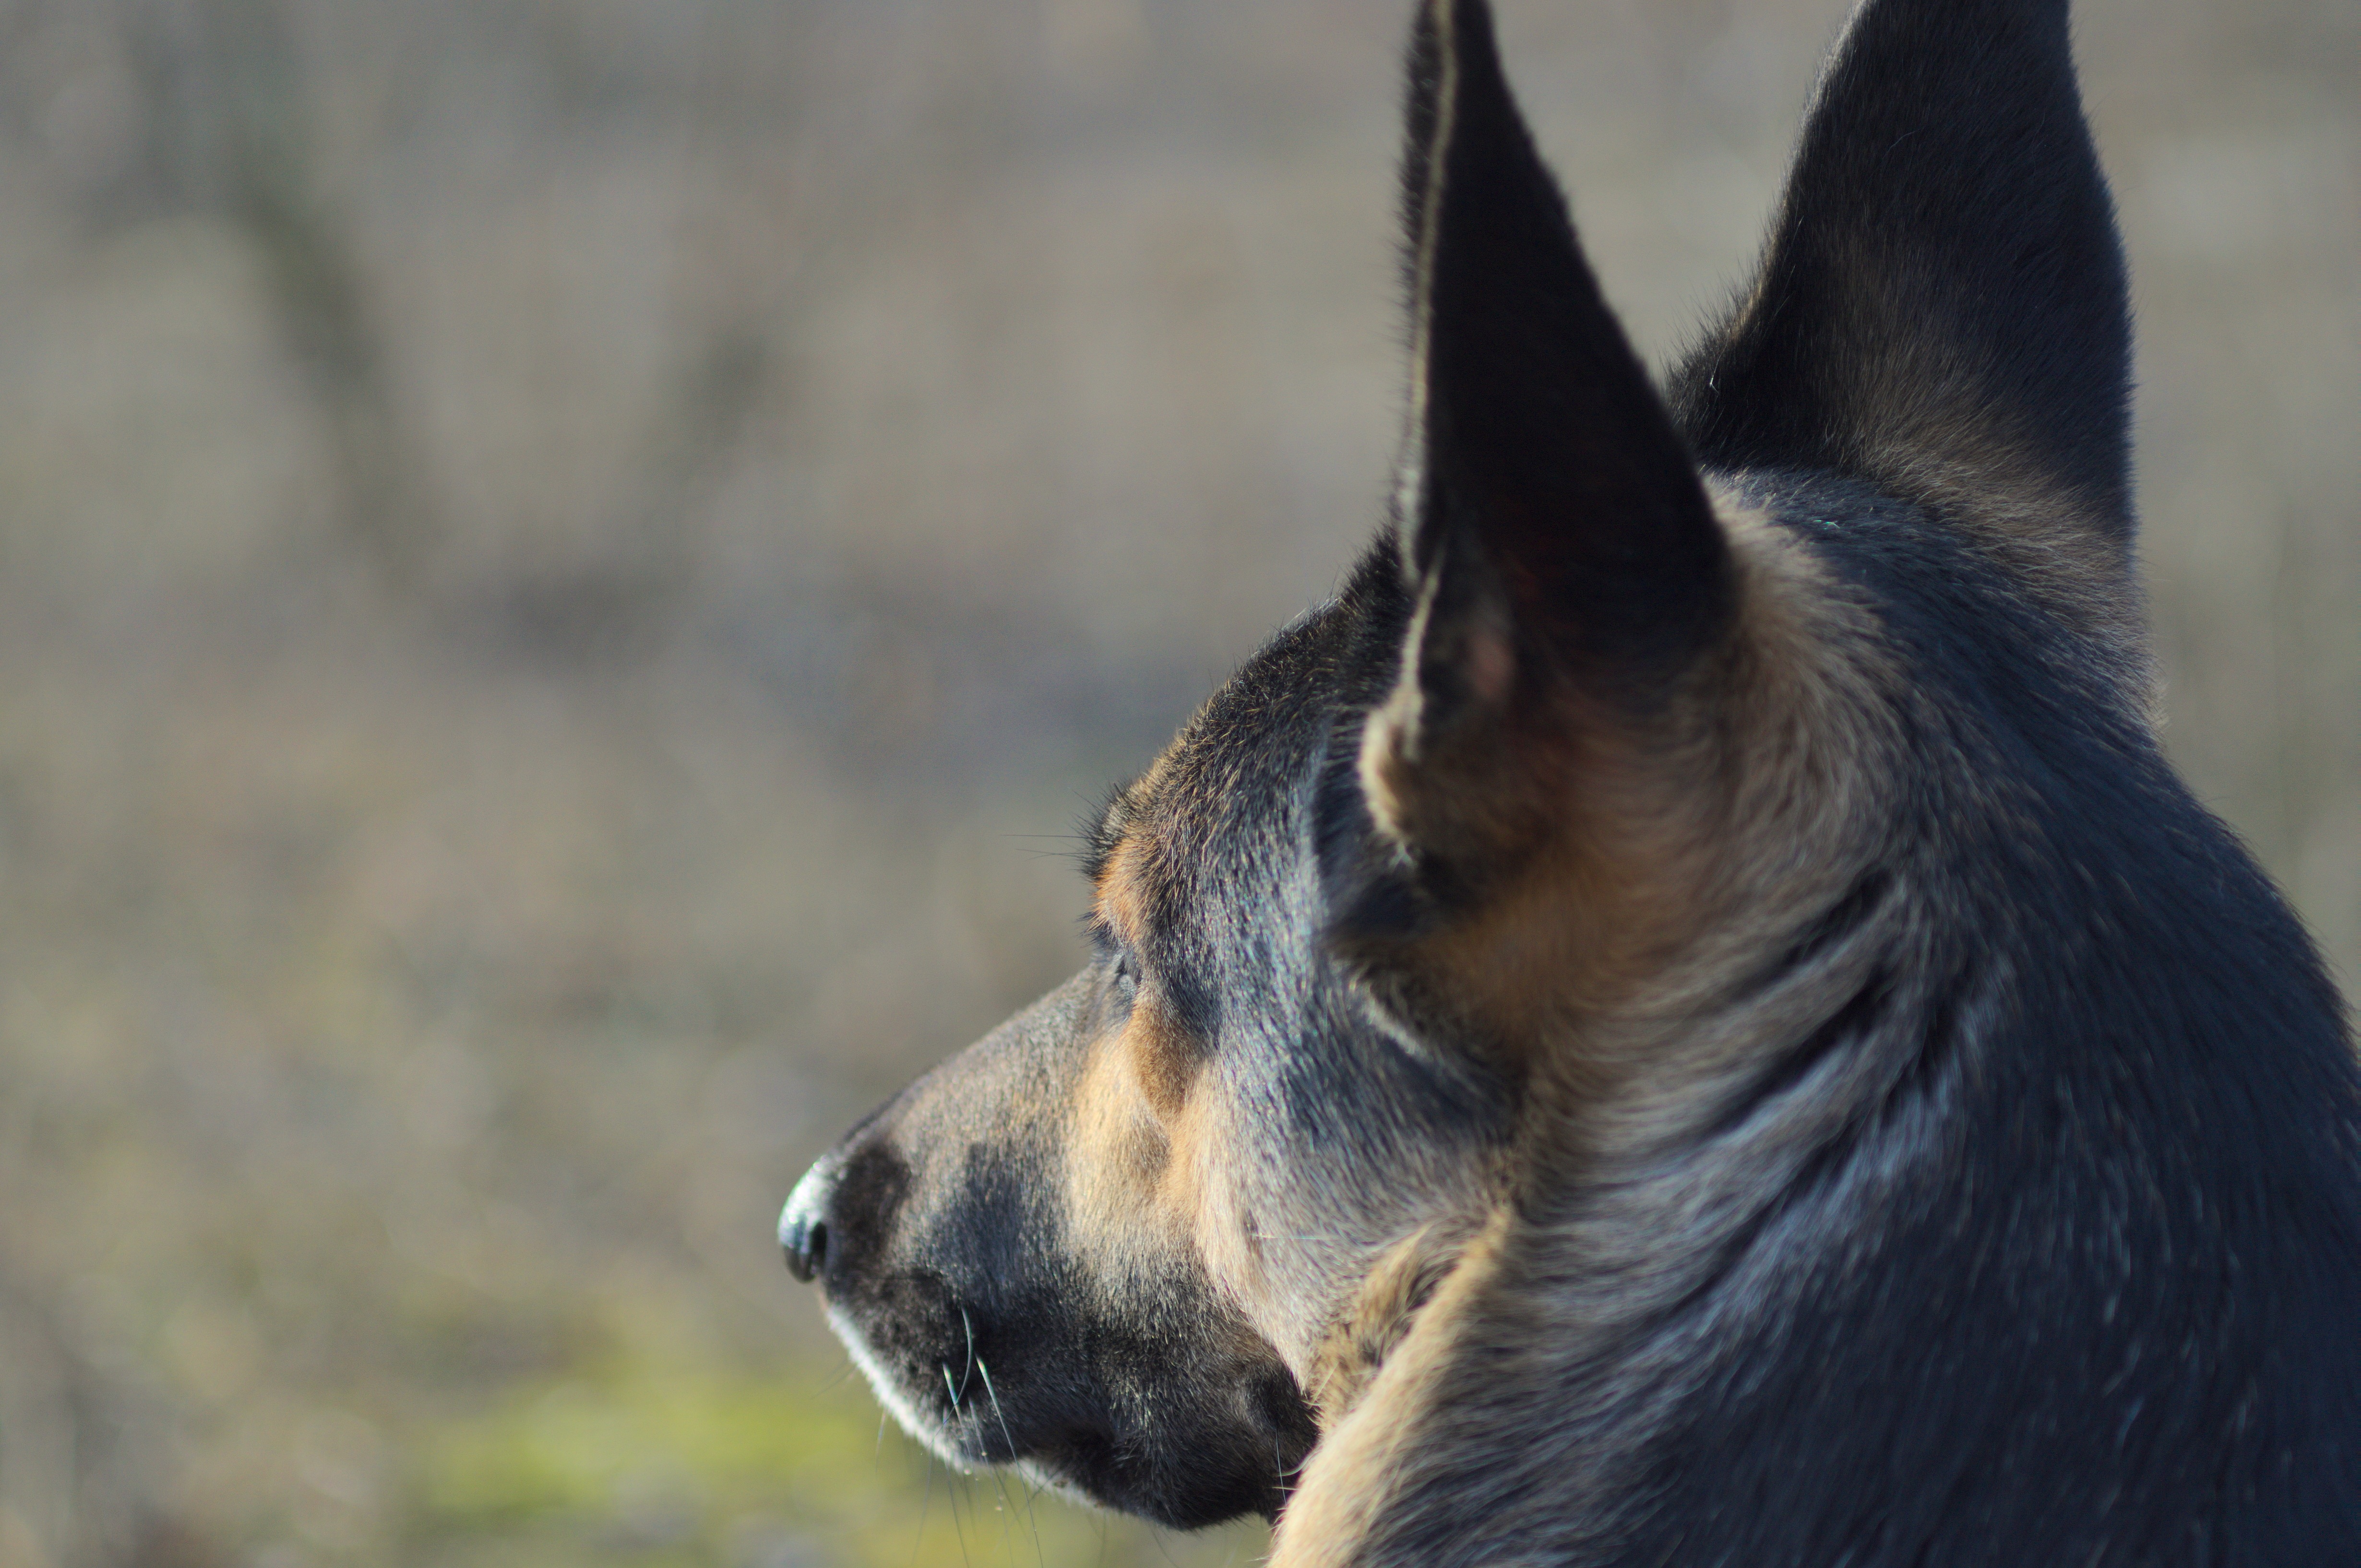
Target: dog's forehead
(1220, 809)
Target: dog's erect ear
(1942, 309)
(1558, 527)
(1565, 564)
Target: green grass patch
(650, 1467)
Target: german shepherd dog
(1684, 1017)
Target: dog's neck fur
(1595, 1296)
(1691, 1098)
(1776, 1165)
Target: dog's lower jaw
(1183, 1479)
(1167, 1484)
(1098, 1470)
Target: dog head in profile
(1683, 1017)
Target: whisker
(953, 1491)
(1157, 1535)
(926, 1500)
(949, 1387)
(1008, 1514)
(1006, 1435)
(1032, 1520)
(1012, 1441)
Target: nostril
(838, 1214)
(808, 1252)
(803, 1224)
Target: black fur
(1943, 277)
(2078, 1284)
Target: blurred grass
(566, 566)
(665, 1469)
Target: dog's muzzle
(939, 1231)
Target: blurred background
(567, 565)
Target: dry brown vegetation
(564, 564)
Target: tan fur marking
(1162, 1056)
(1139, 1157)
(1349, 1475)
(1390, 736)
(1126, 888)
(1164, 1059)
(1402, 1281)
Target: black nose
(803, 1224)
